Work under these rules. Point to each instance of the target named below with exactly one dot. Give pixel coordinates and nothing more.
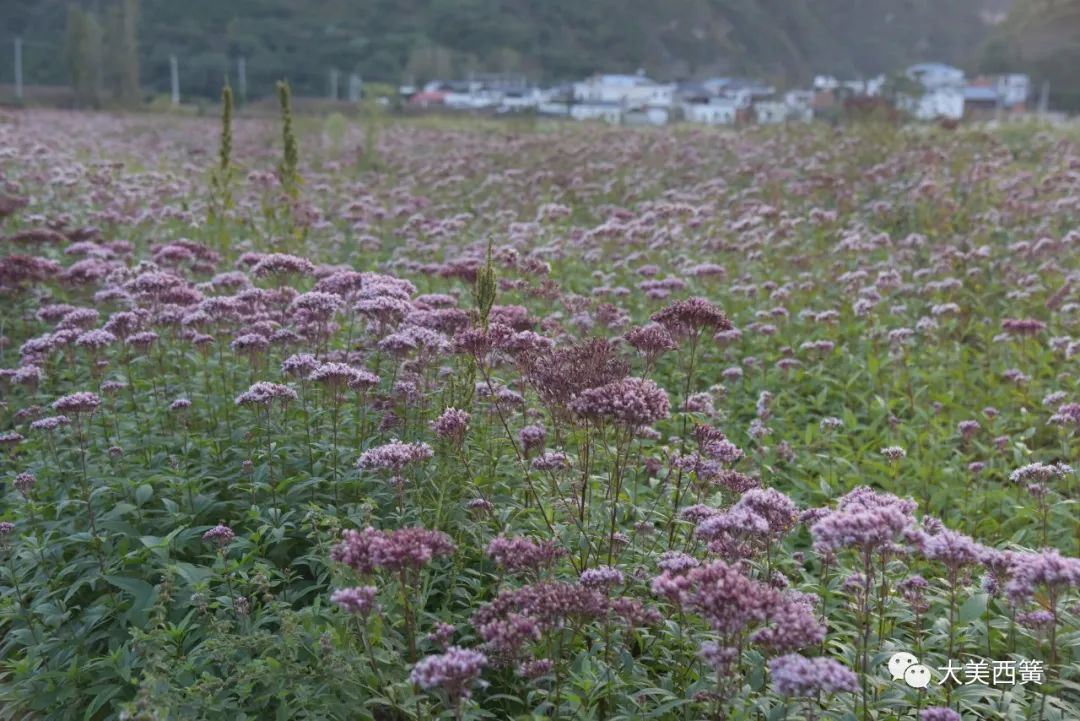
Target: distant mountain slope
(394, 40)
(1042, 37)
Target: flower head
(221, 535)
(938, 713)
(719, 593)
(1041, 472)
(265, 393)
(796, 675)
(368, 550)
(336, 375)
(454, 672)
(299, 364)
(652, 339)
(532, 437)
(517, 553)
(359, 600)
(24, 483)
(76, 403)
(894, 453)
(451, 425)
(50, 423)
(394, 456)
(692, 315)
(631, 402)
(601, 577)
(1046, 569)
(282, 264)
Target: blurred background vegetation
(109, 51)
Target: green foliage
(225, 150)
(1039, 38)
(84, 47)
(122, 56)
(104, 56)
(373, 120)
(288, 168)
(380, 91)
(485, 289)
(221, 178)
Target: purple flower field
(361, 419)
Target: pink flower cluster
(519, 617)
(76, 403)
(221, 535)
(632, 402)
(518, 554)
(863, 519)
(451, 425)
(692, 315)
(359, 600)
(394, 456)
(1046, 569)
(454, 672)
(796, 675)
(341, 375)
(370, 550)
(721, 594)
(264, 393)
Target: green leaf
(972, 608)
(144, 597)
(100, 700)
(778, 712)
(143, 494)
(191, 573)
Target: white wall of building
(718, 112)
(941, 103)
(770, 112)
(596, 111)
(626, 89)
(1014, 89)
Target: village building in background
(924, 92)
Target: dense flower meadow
(429, 422)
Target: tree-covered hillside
(400, 40)
(1042, 38)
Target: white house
(936, 75)
(553, 107)
(468, 95)
(771, 112)
(509, 93)
(825, 83)
(800, 105)
(631, 90)
(646, 115)
(608, 112)
(1014, 89)
(873, 86)
(869, 87)
(943, 92)
(744, 87)
(997, 93)
(519, 100)
(718, 110)
(556, 100)
(935, 104)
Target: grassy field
(425, 419)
